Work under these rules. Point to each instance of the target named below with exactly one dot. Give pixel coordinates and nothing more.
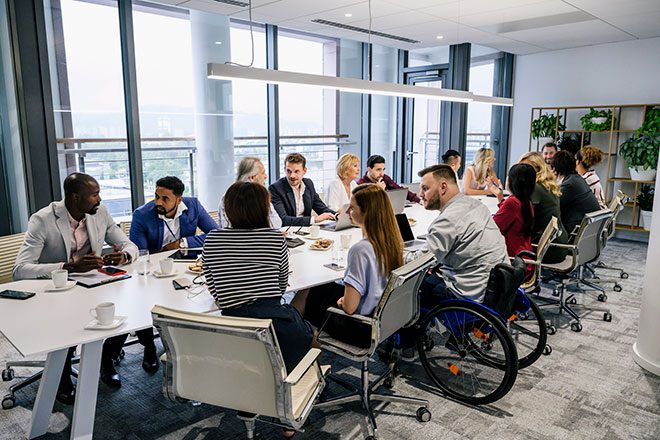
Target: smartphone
(301, 233)
(16, 294)
(181, 283)
(111, 270)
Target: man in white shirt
(294, 196)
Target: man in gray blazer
(70, 235)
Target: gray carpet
(588, 388)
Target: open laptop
(343, 221)
(409, 242)
(398, 199)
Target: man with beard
(464, 238)
(168, 222)
(70, 234)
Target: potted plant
(545, 128)
(645, 203)
(641, 154)
(597, 120)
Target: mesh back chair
(9, 246)
(125, 227)
(585, 249)
(616, 205)
(550, 233)
(236, 363)
(398, 308)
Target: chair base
(366, 396)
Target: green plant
(651, 121)
(587, 125)
(641, 150)
(645, 197)
(545, 126)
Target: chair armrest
(302, 367)
(340, 312)
(529, 254)
(563, 246)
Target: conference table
(51, 322)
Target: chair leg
(250, 422)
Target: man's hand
(114, 259)
(381, 183)
(85, 264)
(171, 246)
(323, 217)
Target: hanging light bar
(229, 72)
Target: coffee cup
(314, 232)
(104, 313)
(166, 266)
(59, 277)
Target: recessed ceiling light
(218, 42)
(439, 37)
(348, 15)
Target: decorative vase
(639, 173)
(647, 216)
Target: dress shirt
(335, 194)
(79, 239)
(298, 196)
(173, 226)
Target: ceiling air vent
(363, 30)
(234, 3)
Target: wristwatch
(183, 243)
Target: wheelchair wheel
(473, 358)
(530, 334)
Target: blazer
(47, 244)
(576, 200)
(147, 228)
(284, 202)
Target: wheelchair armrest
(529, 254)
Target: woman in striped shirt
(247, 269)
(585, 161)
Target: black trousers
(111, 349)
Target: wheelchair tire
(469, 340)
(530, 335)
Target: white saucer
(69, 284)
(94, 324)
(194, 273)
(157, 274)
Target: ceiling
(516, 26)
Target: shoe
(150, 359)
(110, 377)
(409, 354)
(66, 395)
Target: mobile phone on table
(301, 233)
(16, 294)
(112, 271)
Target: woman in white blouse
(338, 192)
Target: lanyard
(170, 229)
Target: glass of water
(337, 255)
(143, 262)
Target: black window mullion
(501, 116)
(273, 107)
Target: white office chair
(235, 363)
(397, 308)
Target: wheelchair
(472, 351)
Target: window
(482, 68)
(384, 67)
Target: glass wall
(13, 199)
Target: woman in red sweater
(516, 214)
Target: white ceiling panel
(408, 19)
(613, 8)
(292, 9)
(469, 7)
(640, 25)
(359, 12)
(414, 4)
(524, 12)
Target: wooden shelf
(595, 131)
(631, 228)
(628, 179)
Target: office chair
(398, 307)
(125, 227)
(236, 363)
(585, 249)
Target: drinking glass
(143, 262)
(337, 255)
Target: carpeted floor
(588, 388)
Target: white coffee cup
(346, 241)
(104, 313)
(166, 266)
(59, 277)
(314, 231)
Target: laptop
(186, 255)
(343, 221)
(398, 199)
(409, 242)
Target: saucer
(67, 286)
(158, 274)
(94, 324)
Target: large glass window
(479, 114)
(384, 67)
(308, 118)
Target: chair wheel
(555, 292)
(8, 402)
(522, 316)
(371, 437)
(423, 415)
(617, 288)
(389, 383)
(547, 350)
(576, 327)
(602, 297)
(551, 329)
(607, 317)
(572, 301)
(7, 374)
(624, 275)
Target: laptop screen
(404, 227)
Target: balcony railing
(430, 143)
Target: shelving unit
(626, 118)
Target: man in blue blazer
(167, 223)
(294, 196)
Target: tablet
(186, 255)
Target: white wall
(616, 73)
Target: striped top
(243, 265)
(594, 183)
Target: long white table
(49, 322)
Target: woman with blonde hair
(545, 201)
(585, 160)
(369, 262)
(479, 176)
(338, 191)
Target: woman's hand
(340, 303)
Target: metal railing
(430, 143)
